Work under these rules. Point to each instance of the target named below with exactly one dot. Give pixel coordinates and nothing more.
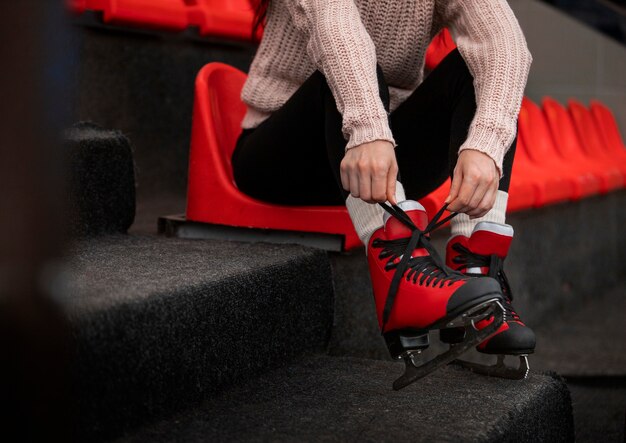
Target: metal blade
(472, 338)
(499, 369)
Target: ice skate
(483, 254)
(415, 292)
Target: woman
(339, 110)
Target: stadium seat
(539, 146)
(548, 188)
(212, 195)
(228, 18)
(171, 15)
(569, 146)
(216, 18)
(608, 128)
(591, 139)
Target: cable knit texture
(344, 39)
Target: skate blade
(499, 369)
(473, 337)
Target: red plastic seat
(548, 188)
(218, 18)
(569, 146)
(591, 139)
(607, 126)
(228, 18)
(539, 147)
(212, 196)
(439, 47)
(174, 15)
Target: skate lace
(432, 269)
(468, 259)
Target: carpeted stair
(190, 328)
(348, 399)
(161, 323)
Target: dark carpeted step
(163, 323)
(347, 399)
(101, 180)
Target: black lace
(432, 269)
(468, 259)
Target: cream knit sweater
(345, 39)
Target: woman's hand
(475, 184)
(369, 171)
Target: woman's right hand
(369, 172)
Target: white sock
(463, 225)
(368, 217)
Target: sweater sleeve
(494, 48)
(340, 47)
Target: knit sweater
(345, 39)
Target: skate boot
(415, 292)
(483, 254)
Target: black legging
(283, 160)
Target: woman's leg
(431, 125)
(291, 158)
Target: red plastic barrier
(569, 146)
(541, 151)
(591, 139)
(608, 127)
(439, 47)
(218, 18)
(212, 195)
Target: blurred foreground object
(33, 335)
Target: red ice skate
(483, 254)
(415, 292)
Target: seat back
(562, 128)
(223, 86)
(607, 126)
(586, 129)
(215, 18)
(537, 139)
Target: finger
(486, 203)
(464, 196)
(365, 187)
(345, 178)
(354, 184)
(379, 187)
(477, 197)
(455, 186)
(392, 178)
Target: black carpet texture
(599, 409)
(346, 399)
(164, 323)
(101, 174)
(142, 83)
(589, 341)
(562, 258)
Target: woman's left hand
(475, 184)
